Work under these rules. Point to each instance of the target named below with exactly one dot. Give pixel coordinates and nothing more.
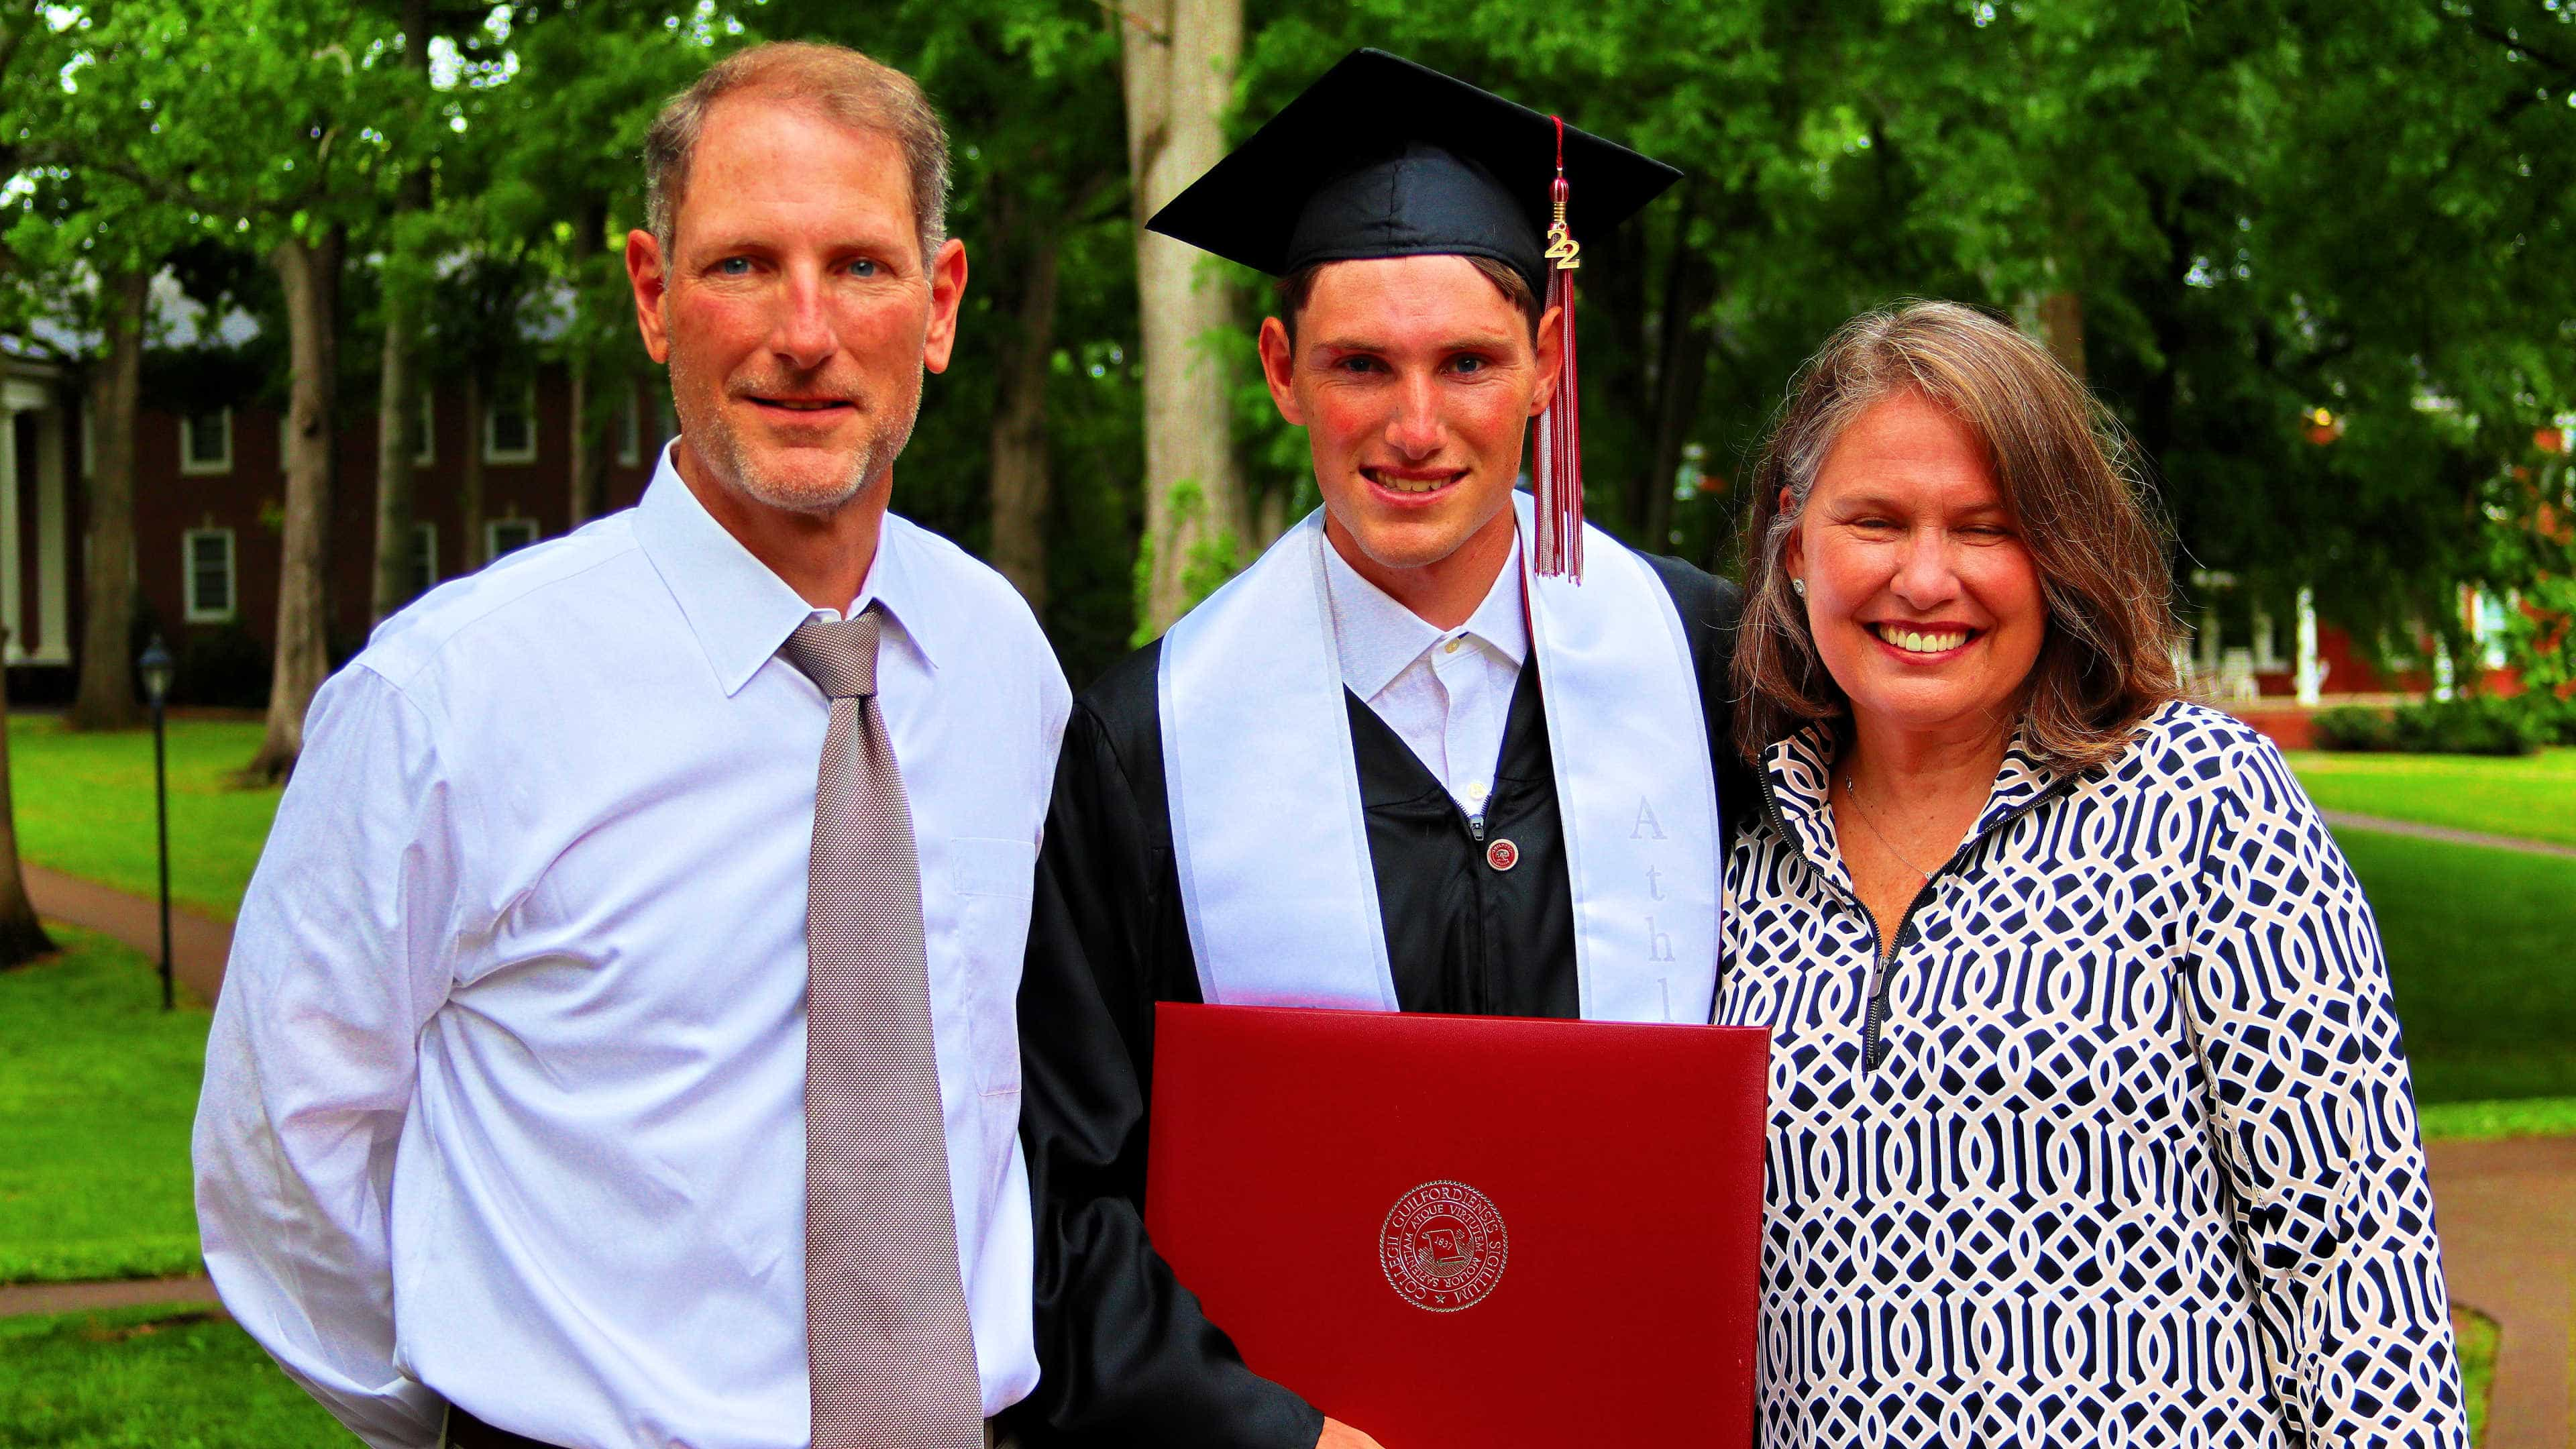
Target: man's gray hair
(845, 85)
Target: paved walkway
(2507, 1212)
(2346, 820)
(24, 1298)
(199, 944)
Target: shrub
(2480, 724)
(2557, 716)
(2355, 727)
(221, 666)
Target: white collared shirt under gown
(504, 1098)
(1445, 692)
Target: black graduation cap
(1381, 157)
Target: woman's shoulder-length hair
(2068, 474)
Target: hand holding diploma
(1338, 1435)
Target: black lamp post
(156, 667)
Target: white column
(2209, 638)
(2442, 670)
(2267, 653)
(53, 536)
(2312, 675)
(19, 396)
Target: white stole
(1271, 841)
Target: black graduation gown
(1126, 1357)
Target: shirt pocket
(992, 880)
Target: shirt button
(1476, 791)
(1449, 648)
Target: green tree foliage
(2231, 216)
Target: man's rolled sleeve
(340, 957)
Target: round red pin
(1502, 855)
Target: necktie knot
(839, 655)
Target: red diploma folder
(1466, 1230)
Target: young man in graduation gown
(1406, 761)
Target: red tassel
(1559, 475)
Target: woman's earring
(1798, 587)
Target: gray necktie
(887, 1341)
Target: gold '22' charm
(1562, 249)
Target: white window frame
(425, 442)
(196, 613)
(2491, 620)
(424, 542)
(630, 431)
(492, 535)
(191, 466)
(492, 451)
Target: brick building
(209, 494)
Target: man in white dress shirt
(503, 1138)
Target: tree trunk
(106, 700)
(22, 936)
(2061, 326)
(469, 476)
(589, 434)
(1177, 59)
(1021, 481)
(309, 272)
(397, 395)
(1685, 376)
(397, 423)
(1689, 286)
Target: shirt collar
(739, 610)
(1380, 638)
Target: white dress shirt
(1447, 693)
(504, 1101)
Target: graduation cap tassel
(1559, 545)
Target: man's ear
(644, 273)
(1279, 369)
(947, 290)
(1551, 359)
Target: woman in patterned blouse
(2090, 1121)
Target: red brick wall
(249, 496)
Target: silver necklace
(1853, 793)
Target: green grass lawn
(85, 807)
(149, 1378)
(98, 1086)
(2477, 1338)
(2533, 797)
(2482, 954)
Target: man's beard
(721, 449)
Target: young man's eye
(1357, 364)
(1469, 364)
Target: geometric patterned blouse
(2117, 1147)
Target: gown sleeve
(1126, 1356)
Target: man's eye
(1468, 364)
(734, 267)
(1357, 364)
(864, 268)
